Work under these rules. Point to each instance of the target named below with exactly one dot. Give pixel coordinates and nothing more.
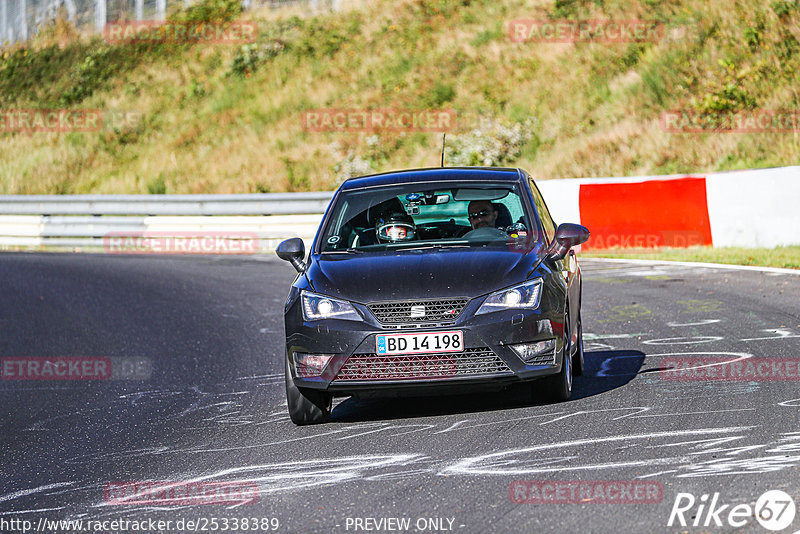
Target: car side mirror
(293, 250)
(568, 235)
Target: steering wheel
(485, 233)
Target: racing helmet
(395, 227)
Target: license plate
(452, 341)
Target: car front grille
(417, 311)
(470, 362)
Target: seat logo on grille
(417, 311)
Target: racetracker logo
(370, 120)
(602, 239)
(75, 368)
(56, 368)
(756, 121)
(597, 31)
(181, 243)
(696, 369)
(66, 120)
(155, 31)
(585, 491)
(180, 493)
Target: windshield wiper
(435, 245)
(343, 251)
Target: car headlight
(316, 307)
(525, 295)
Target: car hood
(414, 274)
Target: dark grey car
(433, 281)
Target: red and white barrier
(752, 208)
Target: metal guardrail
(21, 19)
(94, 221)
(251, 204)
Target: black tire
(578, 358)
(306, 406)
(559, 386)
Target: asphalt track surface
(213, 408)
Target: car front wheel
(306, 406)
(560, 385)
(578, 358)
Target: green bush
(209, 11)
(251, 56)
(157, 186)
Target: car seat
(503, 215)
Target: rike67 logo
(774, 510)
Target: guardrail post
(100, 16)
(72, 10)
(22, 15)
(3, 23)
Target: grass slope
(228, 118)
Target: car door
(569, 265)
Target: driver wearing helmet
(395, 227)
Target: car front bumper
(486, 362)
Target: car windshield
(441, 215)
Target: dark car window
(544, 214)
(427, 214)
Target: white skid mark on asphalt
(452, 427)
(133, 453)
(701, 443)
(32, 511)
(733, 451)
(503, 463)
(692, 340)
(782, 333)
(658, 473)
(637, 409)
(739, 357)
(514, 419)
(300, 474)
(391, 427)
(255, 377)
(591, 337)
(696, 413)
(595, 347)
(749, 466)
(22, 493)
(698, 323)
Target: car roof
(434, 174)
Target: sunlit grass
(786, 257)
